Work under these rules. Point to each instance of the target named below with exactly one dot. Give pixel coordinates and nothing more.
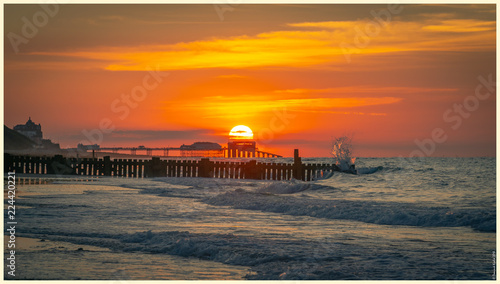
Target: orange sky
(297, 75)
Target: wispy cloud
(310, 44)
(140, 135)
(462, 26)
(366, 90)
(215, 107)
(232, 76)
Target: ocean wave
(280, 259)
(383, 213)
(369, 171)
(258, 253)
(287, 187)
(269, 259)
(372, 170)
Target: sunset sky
(297, 75)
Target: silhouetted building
(241, 148)
(202, 149)
(34, 132)
(31, 130)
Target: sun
(241, 132)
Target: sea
(396, 219)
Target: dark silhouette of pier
(183, 152)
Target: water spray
(341, 151)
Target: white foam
(385, 213)
(342, 153)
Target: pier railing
(155, 167)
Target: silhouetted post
(51, 166)
(60, 166)
(8, 162)
(297, 165)
(107, 165)
(204, 170)
(252, 171)
(156, 167)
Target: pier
(183, 152)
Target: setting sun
(241, 132)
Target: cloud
(462, 26)
(244, 108)
(232, 76)
(366, 90)
(310, 44)
(140, 135)
(344, 112)
(328, 25)
(258, 106)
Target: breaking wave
(273, 259)
(369, 171)
(267, 258)
(372, 170)
(287, 187)
(342, 154)
(383, 213)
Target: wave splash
(341, 151)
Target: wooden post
(204, 168)
(171, 168)
(50, 167)
(297, 165)
(139, 169)
(156, 167)
(37, 165)
(60, 166)
(8, 163)
(107, 166)
(252, 170)
(147, 168)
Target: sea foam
(383, 213)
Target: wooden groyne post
(107, 166)
(253, 170)
(157, 169)
(60, 166)
(204, 169)
(298, 172)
